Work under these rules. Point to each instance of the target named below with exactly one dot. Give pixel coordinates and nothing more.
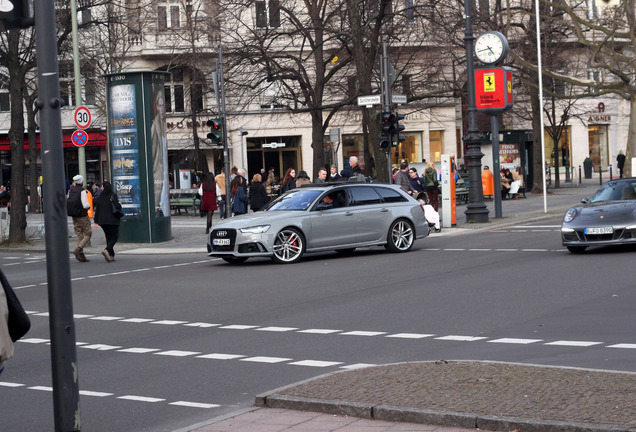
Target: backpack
(74, 205)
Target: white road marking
(101, 347)
(409, 335)
(623, 345)
(177, 353)
(201, 324)
(461, 338)
(363, 333)
(319, 331)
(169, 322)
(139, 350)
(194, 404)
(357, 366)
(238, 327)
(263, 359)
(573, 343)
(535, 250)
(515, 341)
(9, 384)
(217, 356)
(41, 388)
(106, 318)
(140, 398)
(136, 320)
(94, 393)
(79, 316)
(33, 340)
(315, 363)
(277, 329)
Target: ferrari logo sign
(493, 89)
(489, 82)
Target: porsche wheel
(289, 246)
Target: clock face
(491, 47)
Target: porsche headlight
(259, 229)
(571, 214)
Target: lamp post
(476, 210)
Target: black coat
(104, 211)
(258, 196)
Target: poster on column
(158, 137)
(124, 148)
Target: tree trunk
(17, 224)
(317, 140)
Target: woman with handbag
(239, 199)
(430, 175)
(107, 216)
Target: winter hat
(78, 179)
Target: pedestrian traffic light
(398, 128)
(16, 14)
(216, 131)
(386, 129)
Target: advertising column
(138, 154)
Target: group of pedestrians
(104, 208)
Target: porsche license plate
(599, 230)
(221, 242)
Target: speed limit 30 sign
(82, 117)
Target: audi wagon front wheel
(289, 246)
(401, 236)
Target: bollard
(600, 175)
(611, 176)
(580, 181)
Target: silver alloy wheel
(289, 246)
(401, 236)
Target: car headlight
(571, 214)
(260, 229)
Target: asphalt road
(168, 341)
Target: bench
(514, 191)
(184, 199)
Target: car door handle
(348, 213)
(384, 210)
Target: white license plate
(221, 242)
(601, 230)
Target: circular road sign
(79, 138)
(82, 117)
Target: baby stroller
(432, 217)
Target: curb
(433, 417)
(468, 420)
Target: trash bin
(587, 168)
(488, 183)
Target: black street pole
(476, 210)
(386, 102)
(62, 327)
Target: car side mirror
(324, 206)
(585, 200)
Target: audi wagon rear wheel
(289, 246)
(401, 236)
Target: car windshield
(296, 199)
(616, 191)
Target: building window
(436, 139)
(267, 14)
(168, 16)
(5, 102)
(175, 101)
(593, 75)
(409, 10)
(592, 11)
(406, 85)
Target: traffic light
(386, 129)
(216, 131)
(398, 128)
(16, 14)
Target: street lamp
(476, 210)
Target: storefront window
(409, 150)
(436, 140)
(564, 148)
(599, 152)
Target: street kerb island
(472, 394)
